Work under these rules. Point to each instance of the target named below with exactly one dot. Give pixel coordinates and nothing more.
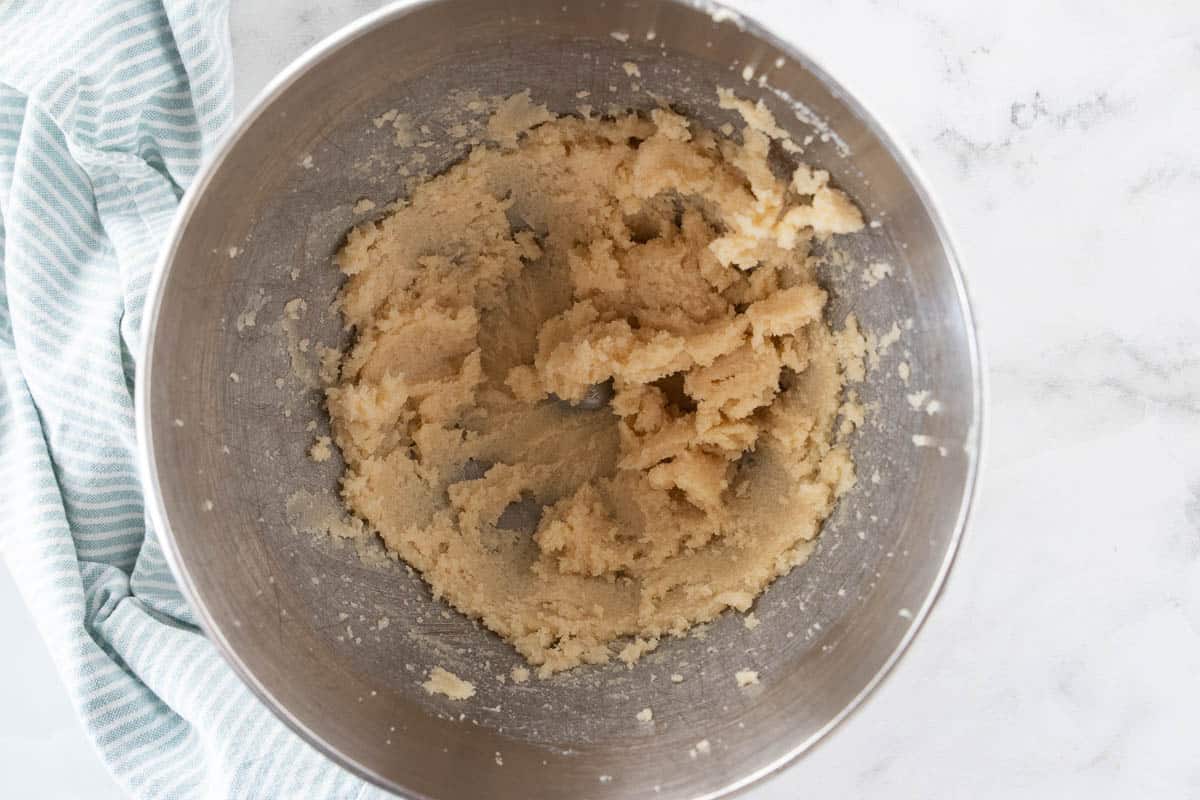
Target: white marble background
(1063, 139)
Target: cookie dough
(442, 681)
(592, 394)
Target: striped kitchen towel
(107, 109)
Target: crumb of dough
(233, 376)
(620, 36)
(208, 505)
(916, 400)
(330, 364)
(889, 338)
(307, 162)
(747, 73)
(234, 252)
(876, 272)
(519, 674)
(570, 347)
(363, 206)
(676, 677)
(703, 747)
(750, 621)
(904, 371)
(745, 677)
(645, 715)
(853, 414)
(756, 115)
(515, 116)
(442, 681)
(631, 69)
(878, 346)
(633, 651)
(295, 308)
(321, 450)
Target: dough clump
(442, 681)
(592, 395)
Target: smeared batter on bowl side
(592, 395)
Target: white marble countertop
(1064, 658)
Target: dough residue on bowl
(592, 394)
(442, 681)
(745, 677)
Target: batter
(592, 396)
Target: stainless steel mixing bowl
(337, 647)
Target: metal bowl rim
(974, 444)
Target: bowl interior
(338, 642)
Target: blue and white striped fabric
(106, 111)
